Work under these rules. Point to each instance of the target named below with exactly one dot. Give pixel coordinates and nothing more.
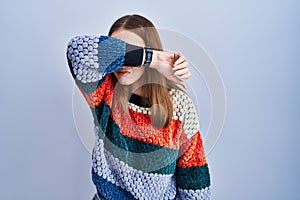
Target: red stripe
(138, 126)
(102, 92)
(191, 151)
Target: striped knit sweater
(133, 159)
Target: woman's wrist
(155, 59)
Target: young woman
(148, 142)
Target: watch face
(149, 53)
(148, 56)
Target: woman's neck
(136, 88)
(137, 91)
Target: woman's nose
(126, 67)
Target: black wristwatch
(148, 56)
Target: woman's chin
(124, 82)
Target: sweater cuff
(134, 55)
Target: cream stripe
(203, 194)
(140, 184)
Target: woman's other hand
(172, 65)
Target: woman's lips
(122, 72)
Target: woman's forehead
(128, 37)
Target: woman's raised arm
(91, 57)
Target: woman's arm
(90, 58)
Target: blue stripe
(112, 52)
(108, 190)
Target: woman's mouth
(122, 72)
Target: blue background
(255, 45)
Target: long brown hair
(156, 87)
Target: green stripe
(193, 178)
(157, 159)
(88, 88)
(101, 116)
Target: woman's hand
(172, 65)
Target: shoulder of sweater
(181, 98)
(186, 112)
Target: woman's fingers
(181, 66)
(181, 71)
(186, 75)
(183, 74)
(179, 58)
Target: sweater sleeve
(92, 58)
(192, 172)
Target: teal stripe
(193, 178)
(88, 88)
(169, 169)
(101, 115)
(157, 159)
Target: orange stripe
(102, 92)
(191, 152)
(138, 126)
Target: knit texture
(131, 158)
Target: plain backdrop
(255, 45)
